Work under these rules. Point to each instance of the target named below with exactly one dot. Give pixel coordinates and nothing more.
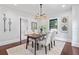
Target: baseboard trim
(75, 44)
(10, 45)
(62, 39)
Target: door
(24, 28)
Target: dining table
(36, 37)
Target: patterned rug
(20, 50)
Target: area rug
(20, 50)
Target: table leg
(27, 42)
(51, 44)
(45, 49)
(54, 43)
(35, 47)
(32, 44)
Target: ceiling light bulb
(15, 4)
(63, 6)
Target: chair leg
(54, 43)
(32, 44)
(27, 42)
(45, 49)
(49, 46)
(37, 46)
(42, 46)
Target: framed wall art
(64, 28)
(64, 20)
(4, 19)
(64, 24)
(10, 22)
(33, 26)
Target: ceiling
(32, 9)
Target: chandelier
(41, 15)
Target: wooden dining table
(35, 37)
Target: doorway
(24, 28)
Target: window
(53, 24)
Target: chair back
(48, 38)
(53, 35)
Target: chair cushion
(42, 42)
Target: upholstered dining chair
(46, 42)
(53, 38)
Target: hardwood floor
(67, 50)
(5, 47)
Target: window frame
(50, 26)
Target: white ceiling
(49, 9)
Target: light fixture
(41, 15)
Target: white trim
(75, 44)
(63, 39)
(8, 42)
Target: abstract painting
(9, 24)
(4, 19)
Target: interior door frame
(21, 28)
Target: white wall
(13, 36)
(67, 36)
(75, 25)
(63, 36)
(26, 27)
